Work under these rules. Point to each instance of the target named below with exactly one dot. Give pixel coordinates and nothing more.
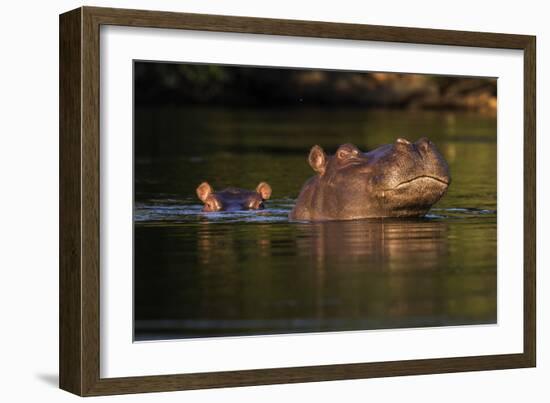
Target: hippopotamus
(232, 199)
(402, 179)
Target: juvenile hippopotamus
(402, 179)
(231, 199)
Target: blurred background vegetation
(197, 84)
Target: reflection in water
(254, 272)
(393, 242)
(382, 249)
(264, 275)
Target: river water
(248, 273)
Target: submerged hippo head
(403, 179)
(231, 199)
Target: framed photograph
(249, 201)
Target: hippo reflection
(231, 199)
(410, 244)
(403, 179)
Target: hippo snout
(403, 179)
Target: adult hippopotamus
(402, 179)
(231, 199)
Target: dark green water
(245, 273)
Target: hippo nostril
(423, 144)
(424, 140)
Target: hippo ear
(204, 190)
(264, 190)
(317, 159)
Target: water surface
(244, 273)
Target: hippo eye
(212, 205)
(347, 153)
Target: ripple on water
(158, 211)
(459, 212)
(182, 211)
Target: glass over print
(255, 271)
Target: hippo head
(402, 179)
(232, 199)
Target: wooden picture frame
(79, 201)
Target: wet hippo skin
(233, 199)
(402, 179)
